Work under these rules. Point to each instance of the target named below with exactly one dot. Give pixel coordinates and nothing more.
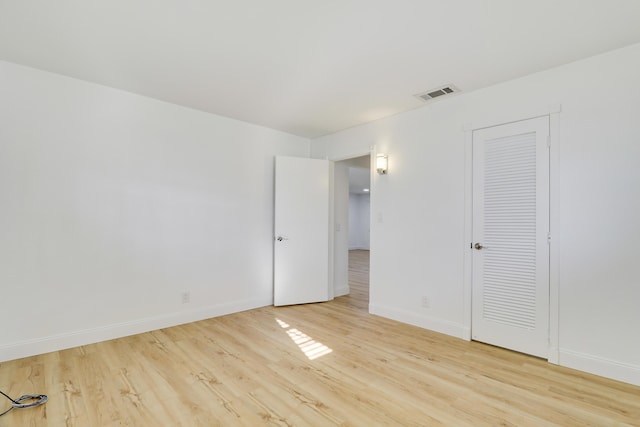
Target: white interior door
(302, 225)
(510, 290)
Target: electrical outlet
(186, 297)
(425, 302)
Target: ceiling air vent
(434, 93)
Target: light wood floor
(309, 365)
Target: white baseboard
(77, 338)
(607, 368)
(613, 369)
(434, 324)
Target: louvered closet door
(510, 228)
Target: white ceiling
(359, 180)
(359, 174)
(307, 67)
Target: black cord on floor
(30, 399)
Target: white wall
(114, 204)
(418, 233)
(359, 213)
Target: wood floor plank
(329, 364)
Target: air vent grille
(434, 93)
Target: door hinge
(549, 238)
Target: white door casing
(510, 267)
(302, 225)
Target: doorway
(352, 180)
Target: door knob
(478, 246)
(280, 238)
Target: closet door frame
(553, 112)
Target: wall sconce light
(382, 164)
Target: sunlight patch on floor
(310, 347)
